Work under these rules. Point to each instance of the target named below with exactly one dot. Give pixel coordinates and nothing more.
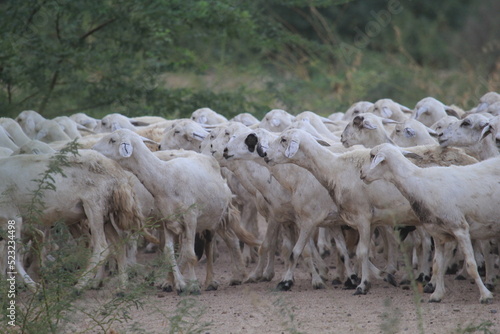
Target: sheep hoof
(284, 285)
(212, 286)
(391, 280)
(319, 286)
(167, 288)
(337, 281)
(250, 280)
(423, 278)
(429, 288)
(350, 284)
(487, 300)
(360, 291)
(266, 278)
(432, 300)
(405, 282)
(234, 282)
(460, 278)
(325, 254)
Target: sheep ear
(376, 160)
(326, 120)
(202, 119)
(386, 112)
(389, 121)
(486, 131)
(80, 127)
(409, 132)
(149, 141)
(115, 126)
(139, 123)
(322, 142)
(369, 125)
(125, 150)
(411, 155)
(451, 112)
(420, 111)
(199, 136)
(431, 132)
(41, 134)
(405, 109)
(482, 106)
(292, 148)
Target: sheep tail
(233, 223)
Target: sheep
(115, 121)
(6, 140)
(69, 126)
(28, 119)
(429, 110)
(412, 133)
(50, 131)
(442, 124)
(486, 100)
(183, 133)
(192, 191)
(85, 120)
(188, 134)
(276, 120)
(453, 203)
(273, 202)
(246, 118)
(318, 123)
(359, 206)
(103, 191)
(15, 131)
(367, 130)
(207, 116)
(387, 108)
(303, 186)
(467, 133)
(34, 147)
(355, 109)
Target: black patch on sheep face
(251, 141)
(261, 152)
(358, 121)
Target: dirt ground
(258, 308)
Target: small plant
(288, 315)
(187, 318)
(483, 327)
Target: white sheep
(303, 186)
(183, 133)
(207, 116)
(486, 100)
(468, 134)
(412, 133)
(70, 127)
(15, 131)
(190, 190)
(276, 120)
(387, 108)
(49, 131)
(85, 120)
(355, 109)
(359, 206)
(453, 203)
(246, 118)
(367, 130)
(28, 119)
(430, 110)
(102, 188)
(318, 122)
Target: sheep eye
(356, 112)
(372, 156)
(176, 131)
(465, 123)
(112, 141)
(283, 140)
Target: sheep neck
(146, 167)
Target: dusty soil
(257, 308)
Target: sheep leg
(438, 271)
(288, 278)
(488, 264)
(316, 265)
(266, 255)
(99, 244)
(324, 244)
(424, 249)
(319, 263)
(188, 255)
(249, 220)
(345, 263)
(238, 268)
(210, 283)
(464, 242)
(174, 270)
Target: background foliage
(170, 57)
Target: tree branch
(99, 27)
